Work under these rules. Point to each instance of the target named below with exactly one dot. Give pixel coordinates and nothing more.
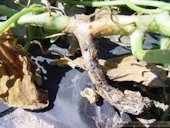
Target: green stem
(6, 11)
(140, 9)
(152, 56)
(15, 17)
(152, 3)
(165, 43)
(55, 22)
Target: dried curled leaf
(127, 68)
(17, 77)
(78, 62)
(90, 94)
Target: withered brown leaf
(18, 75)
(127, 68)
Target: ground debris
(146, 122)
(90, 94)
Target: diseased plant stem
(125, 102)
(127, 26)
(117, 25)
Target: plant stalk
(56, 21)
(153, 56)
(6, 11)
(152, 3)
(14, 18)
(120, 100)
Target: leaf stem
(142, 10)
(7, 11)
(15, 17)
(152, 56)
(152, 3)
(56, 21)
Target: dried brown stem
(128, 101)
